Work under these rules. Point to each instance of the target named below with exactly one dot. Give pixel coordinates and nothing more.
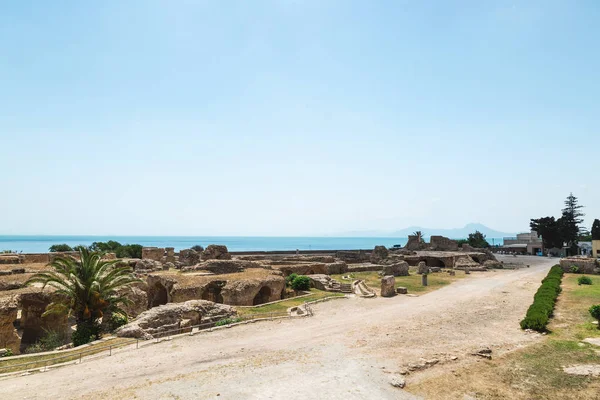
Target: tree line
(112, 246)
(567, 230)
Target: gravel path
(350, 349)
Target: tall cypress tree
(570, 221)
(596, 230)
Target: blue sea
(40, 244)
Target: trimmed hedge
(539, 313)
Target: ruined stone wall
(442, 243)
(216, 252)
(585, 265)
(353, 257)
(189, 257)
(170, 257)
(9, 339)
(33, 324)
(253, 292)
(9, 259)
(339, 267)
(153, 253)
(414, 243)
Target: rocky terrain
(353, 348)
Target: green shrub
(290, 278)
(48, 342)
(129, 251)
(595, 312)
(574, 269)
(7, 353)
(539, 313)
(117, 320)
(120, 250)
(57, 248)
(301, 282)
(198, 248)
(85, 333)
(584, 280)
(227, 321)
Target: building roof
(515, 246)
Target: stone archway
(263, 296)
(159, 295)
(434, 262)
(212, 292)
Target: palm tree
(87, 288)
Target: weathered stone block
(379, 254)
(397, 269)
(216, 252)
(442, 243)
(388, 284)
(153, 253)
(401, 290)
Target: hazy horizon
(295, 118)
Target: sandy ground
(349, 349)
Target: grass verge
(535, 372)
(284, 305)
(39, 361)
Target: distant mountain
(455, 233)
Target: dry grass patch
(535, 372)
(282, 306)
(412, 282)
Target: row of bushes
(539, 313)
(121, 250)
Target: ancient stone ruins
(180, 289)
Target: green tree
(110, 246)
(550, 231)
(129, 251)
(570, 222)
(477, 239)
(87, 288)
(596, 230)
(58, 248)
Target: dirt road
(349, 349)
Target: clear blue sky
(295, 117)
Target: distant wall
(153, 253)
(596, 248)
(585, 265)
(443, 244)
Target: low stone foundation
(585, 265)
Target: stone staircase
(339, 287)
(345, 287)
